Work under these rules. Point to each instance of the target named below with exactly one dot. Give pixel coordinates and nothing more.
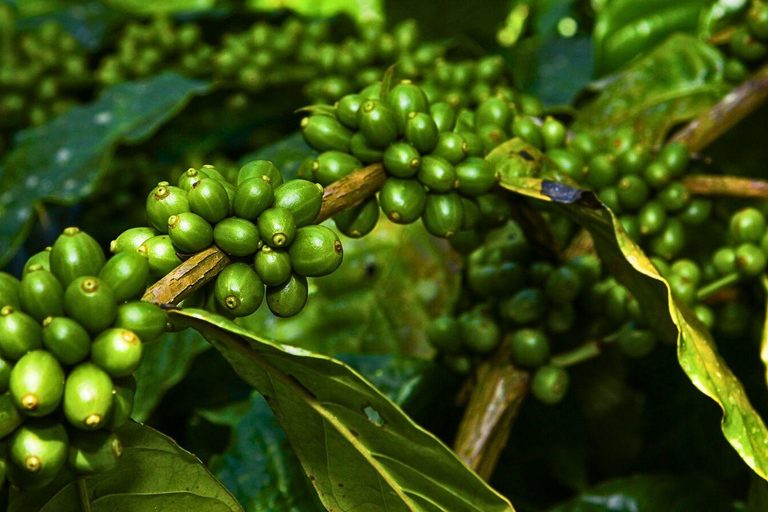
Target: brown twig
(202, 267)
(738, 104)
(726, 186)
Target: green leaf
(675, 82)
(651, 492)
(378, 301)
(154, 473)
(259, 467)
(358, 9)
(165, 362)
(696, 350)
(160, 6)
(61, 161)
(625, 29)
(355, 444)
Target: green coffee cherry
(42, 258)
(302, 198)
(674, 196)
(452, 147)
(66, 339)
(697, 212)
(237, 237)
(5, 374)
(421, 132)
(363, 150)
(378, 122)
(525, 307)
(75, 254)
(41, 294)
(160, 254)
(493, 111)
(750, 260)
(670, 241)
(19, 333)
(38, 449)
(10, 416)
(331, 166)
(563, 285)
(315, 252)
(163, 202)
(602, 171)
(91, 303)
(87, 397)
(437, 174)
(93, 452)
(9, 290)
(747, 225)
(190, 232)
(37, 383)
(288, 298)
(637, 343)
(406, 98)
(530, 348)
(527, 129)
(583, 144)
(652, 218)
(277, 227)
(746, 47)
(273, 266)
(476, 176)
(479, 332)
(490, 137)
(126, 275)
(124, 393)
(347, 108)
(190, 178)
(632, 192)
(444, 334)
(209, 200)
(326, 133)
(569, 162)
(402, 160)
(117, 351)
(554, 133)
(550, 384)
(239, 290)
(263, 169)
(148, 321)
(444, 116)
(443, 214)
(359, 220)
(252, 197)
(131, 239)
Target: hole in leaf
(373, 416)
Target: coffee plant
(363, 256)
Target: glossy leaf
(61, 161)
(154, 473)
(165, 362)
(696, 350)
(625, 29)
(679, 79)
(259, 467)
(160, 6)
(651, 492)
(358, 448)
(357, 9)
(378, 301)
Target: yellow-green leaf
(360, 451)
(357, 9)
(696, 350)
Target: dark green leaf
(696, 351)
(651, 492)
(166, 361)
(674, 83)
(154, 473)
(627, 28)
(379, 301)
(355, 444)
(61, 161)
(160, 6)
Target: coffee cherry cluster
(41, 76)
(160, 45)
(71, 336)
(748, 44)
(431, 152)
(265, 224)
